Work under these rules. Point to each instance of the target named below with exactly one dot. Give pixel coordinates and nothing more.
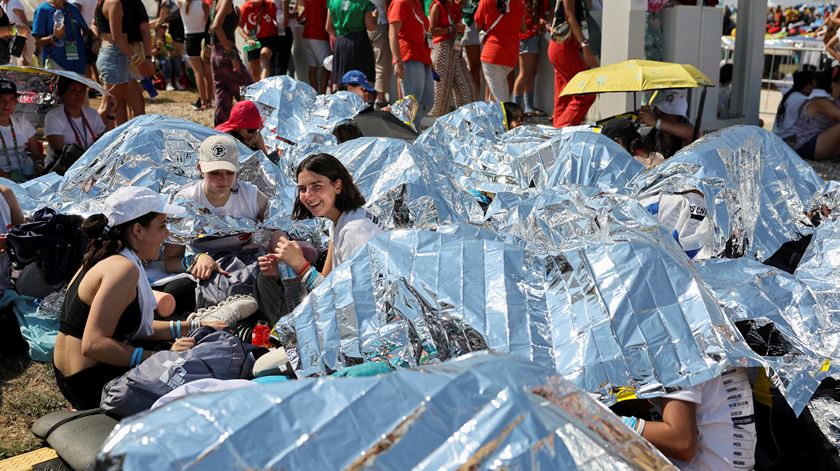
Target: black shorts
(194, 43)
(83, 390)
(270, 42)
(176, 30)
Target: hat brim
(217, 165)
(173, 209)
(225, 127)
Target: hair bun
(94, 226)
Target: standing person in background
(258, 27)
(569, 53)
(195, 15)
(411, 43)
(17, 16)
(471, 41)
(382, 53)
(5, 35)
(501, 21)
(169, 20)
(60, 31)
(529, 50)
(316, 43)
(445, 21)
(228, 71)
(349, 21)
(88, 9)
(121, 25)
(285, 40)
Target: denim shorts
(112, 64)
(530, 45)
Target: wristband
(136, 357)
(658, 124)
(303, 269)
(172, 330)
(194, 325)
(178, 329)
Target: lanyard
(14, 145)
(81, 136)
(417, 17)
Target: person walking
(349, 21)
(195, 15)
(381, 53)
(316, 43)
(529, 55)
(569, 53)
(228, 71)
(501, 21)
(411, 43)
(258, 27)
(445, 21)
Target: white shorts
(316, 51)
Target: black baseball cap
(620, 128)
(7, 87)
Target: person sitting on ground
(10, 214)
(325, 189)
(347, 131)
(244, 124)
(817, 132)
(514, 116)
(74, 123)
(22, 154)
(109, 303)
(788, 111)
(669, 119)
(624, 132)
(355, 81)
(710, 426)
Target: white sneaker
(230, 311)
(169, 87)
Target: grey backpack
(217, 354)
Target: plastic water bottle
(58, 19)
(287, 273)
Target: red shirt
(258, 19)
(502, 44)
(450, 11)
(532, 23)
(315, 14)
(412, 34)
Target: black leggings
(83, 390)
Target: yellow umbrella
(636, 76)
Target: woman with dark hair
(349, 21)
(325, 189)
(788, 111)
(109, 303)
(73, 122)
(817, 130)
(445, 23)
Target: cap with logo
(357, 77)
(129, 203)
(672, 102)
(7, 87)
(219, 152)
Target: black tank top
(229, 26)
(74, 314)
(134, 13)
(102, 22)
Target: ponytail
(105, 241)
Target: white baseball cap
(219, 152)
(672, 102)
(129, 203)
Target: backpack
(54, 241)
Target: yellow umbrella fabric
(636, 76)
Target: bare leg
(134, 98)
(254, 67)
(265, 63)
(828, 144)
(474, 63)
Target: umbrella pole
(699, 114)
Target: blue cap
(357, 77)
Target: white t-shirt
(725, 423)
(243, 203)
(13, 155)
(194, 21)
(685, 216)
(353, 230)
(88, 8)
(787, 126)
(56, 124)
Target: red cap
(243, 115)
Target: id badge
(429, 41)
(71, 52)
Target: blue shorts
(806, 151)
(113, 65)
(530, 45)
